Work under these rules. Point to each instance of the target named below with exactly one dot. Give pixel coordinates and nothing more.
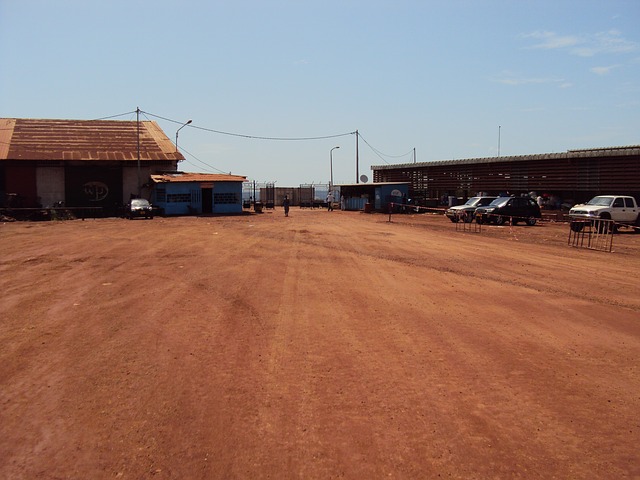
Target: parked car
(513, 209)
(621, 209)
(139, 207)
(467, 212)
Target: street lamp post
(331, 164)
(188, 122)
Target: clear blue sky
(444, 77)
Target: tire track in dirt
(284, 423)
(507, 266)
(319, 346)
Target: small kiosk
(370, 197)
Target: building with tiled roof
(183, 193)
(177, 177)
(81, 163)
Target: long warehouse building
(572, 176)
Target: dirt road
(322, 345)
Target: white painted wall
(50, 185)
(130, 182)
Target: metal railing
(594, 234)
(53, 213)
(465, 223)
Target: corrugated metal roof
(115, 140)
(6, 132)
(372, 184)
(196, 177)
(586, 153)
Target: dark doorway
(207, 200)
(94, 187)
(21, 186)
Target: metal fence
(596, 234)
(54, 213)
(465, 223)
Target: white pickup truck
(623, 210)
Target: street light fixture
(188, 122)
(331, 160)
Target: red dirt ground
(323, 345)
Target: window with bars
(178, 198)
(225, 198)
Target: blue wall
(224, 193)
(384, 197)
(186, 198)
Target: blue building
(373, 196)
(197, 193)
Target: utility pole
(357, 169)
(139, 174)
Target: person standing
(285, 204)
(330, 202)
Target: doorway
(207, 200)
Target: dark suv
(509, 209)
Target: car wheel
(531, 221)
(600, 227)
(576, 226)
(468, 218)
(604, 227)
(499, 220)
(454, 219)
(479, 220)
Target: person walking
(285, 204)
(330, 202)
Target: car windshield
(485, 201)
(500, 201)
(139, 202)
(600, 201)
(472, 201)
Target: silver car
(139, 207)
(467, 212)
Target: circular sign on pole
(364, 178)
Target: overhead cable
(382, 155)
(255, 137)
(210, 167)
(115, 116)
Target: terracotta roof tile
(35, 139)
(196, 177)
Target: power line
(210, 167)
(381, 155)
(114, 116)
(255, 137)
(182, 149)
